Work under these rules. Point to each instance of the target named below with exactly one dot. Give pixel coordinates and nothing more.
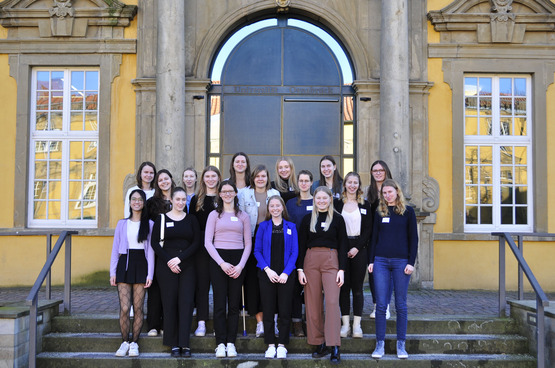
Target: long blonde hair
(359, 194)
(202, 190)
(314, 216)
(282, 185)
(400, 202)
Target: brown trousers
(320, 267)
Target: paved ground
(420, 302)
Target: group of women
(263, 243)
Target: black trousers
(154, 304)
(226, 293)
(281, 295)
(178, 291)
(354, 281)
(202, 263)
(253, 302)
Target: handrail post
(49, 274)
(520, 275)
(67, 276)
(33, 333)
(540, 331)
(502, 301)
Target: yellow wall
(550, 110)
(22, 258)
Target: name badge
(385, 220)
(289, 232)
(169, 224)
(323, 225)
(309, 208)
(235, 219)
(363, 211)
(257, 204)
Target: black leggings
(354, 280)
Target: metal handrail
(541, 299)
(32, 299)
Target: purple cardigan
(121, 246)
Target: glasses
(378, 171)
(227, 192)
(140, 200)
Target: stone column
(395, 136)
(170, 87)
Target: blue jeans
(387, 270)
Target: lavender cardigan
(121, 246)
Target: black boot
(321, 351)
(335, 356)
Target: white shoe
(380, 350)
(387, 313)
(373, 314)
(220, 351)
(281, 352)
(260, 329)
(357, 330)
(122, 351)
(152, 333)
(133, 349)
(231, 351)
(345, 327)
(201, 329)
(271, 352)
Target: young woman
(297, 209)
(276, 250)
(201, 205)
(159, 203)
(321, 265)
(379, 172)
(358, 222)
(253, 202)
(286, 181)
(145, 176)
(240, 170)
(393, 252)
(229, 243)
(329, 176)
(175, 270)
(131, 269)
(189, 179)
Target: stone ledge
(20, 309)
(530, 306)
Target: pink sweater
(228, 232)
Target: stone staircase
(91, 341)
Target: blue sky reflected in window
(318, 32)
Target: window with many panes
(64, 147)
(498, 152)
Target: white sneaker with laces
(281, 352)
(152, 333)
(220, 351)
(133, 349)
(271, 352)
(231, 351)
(201, 329)
(260, 329)
(122, 351)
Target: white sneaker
(201, 329)
(260, 329)
(122, 351)
(133, 349)
(281, 352)
(387, 313)
(345, 329)
(231, 351)
(373, 314)
(357, 332)
(220, 351)
(271, 352)
(152, 333)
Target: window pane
(42, 100)
(348, 165)
(40, 189)
(54, 210)
(348, 137)
(506, 174)
(92, 81)
(75, 170)
(56, 121)
(521, 195)
(57, 102)
(520, 105)
(471, 175)
(520, 156)
(39, 210)
(74, 210)
(471, 104)
(505, 86)
(91, 102)
(506, 155)
(485, 86)
(521, 175)
(506, 106)
(485, 106)
(55, 170)
(472, 215)
(91, 121)
(41, 121)
(521, 215)
(485, 126)
(471, 194)
(471, 155)
(520, 87)
(486, 194)
(90, 170)
(76, 123)
(90, 150)
(486, 217)
(471, 126)
(76, 150)
(215, 124)
(77, 81)
(55, 150)
(470, 86)
(41, 150)
(486, 174)
(57, 82)
(506, 195)
(55, 190)
(507, 215)
(75, 188)
(485, 155)
(43, 80)
(506, 126)
(40, 169)
(76, 100)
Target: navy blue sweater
(395, 236)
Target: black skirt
(137, 268)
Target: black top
(277, 249)
(365, 223)
(285, 195)
(334, 238)
(202, 215)
(183, 235)
(155, 206)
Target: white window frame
(496, 141)
(65, 136)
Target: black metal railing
(45, 274)
(523, 268)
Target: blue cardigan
(263, 244)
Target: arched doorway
(281, 87)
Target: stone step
(416, 325)
(152, 360)
(416, 344)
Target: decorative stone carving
(61, 9)
(283, 6)
(502, 7)
(502, 21)
(430, 188)
(61, 21)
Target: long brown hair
(202, 190)
(233, 175)
(336, 179)
(373, 194)
(400, 203)
(359, 194)
(291, 182)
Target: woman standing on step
(321, 264)
(229, 243)
(132, 268)
(276, 251)
(358, 221)
(393, 252)
(175, 239)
